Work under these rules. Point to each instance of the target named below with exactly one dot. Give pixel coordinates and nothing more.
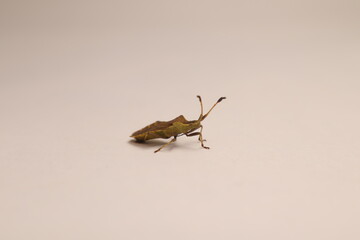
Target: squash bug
(179, 126)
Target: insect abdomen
(153, 134)
(168, 129)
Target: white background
(77, 78)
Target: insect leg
(194, 134)
(200, 137)
(172, 140)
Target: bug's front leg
(200, 137)
(172, 140)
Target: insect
(179, 126)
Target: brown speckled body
(177, 127)
(163, 129)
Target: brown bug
(177, 127)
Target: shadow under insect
(151, 144)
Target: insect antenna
(202, 109)
(220, 99)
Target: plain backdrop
(78, 77)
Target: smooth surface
(77, 78)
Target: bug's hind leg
(172, 140)
(200, 137)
